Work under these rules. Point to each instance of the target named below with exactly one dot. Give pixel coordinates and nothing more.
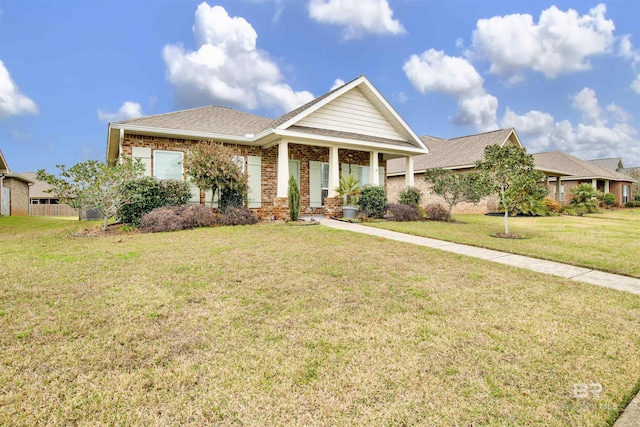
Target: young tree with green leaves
(455, 187)
(210, 166)
(94, 185)
(509, 171)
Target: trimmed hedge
(373, 200)
(174, 218)
(401, 213)
(411, 196)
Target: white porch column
(558, 184)
(606, 186)
(283, 169)
(334, 171)
(374, 178)
(408, 176)
(594, 182)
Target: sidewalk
(631, 415)
(615, 281)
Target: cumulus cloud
(433, 71)
(228, 68)
(357, 17)
(590, 139)
(560, 42)
(636, 84)
(12, 101)
(337, 83)
(128, 110)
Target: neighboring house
(14, 191)
(459, 154)
(613, 163)
(42, 203)
(582, 171)
(350, 130)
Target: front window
(167, 164)
(325, 181)
(625, 193)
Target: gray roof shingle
(579, 169)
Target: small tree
(455, 187)
(94, 185)
(294, 199)
(210, 166)
(510, 172)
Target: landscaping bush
(585, 199)
(609, 200)
(294, 199)
(148, 193)
(237, 216)
(552, 205)
(436, 212)
(632, 204)
(411, 196)
(231, 197)
(531, 206)
(637, 198)
(373, 200)
(401, 213)
(174, 218)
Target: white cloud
(625, 48)
(560, 42)
(540, 132)
(433, 71)
(358, 17)
(12, 101)
(337, 83)
(128, 110)
(228, 68)
(636, 84)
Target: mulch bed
(507, 236)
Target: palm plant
(349, 189)
(584, 199)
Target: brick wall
(18, 195)
(396, 185)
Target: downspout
(1, 180)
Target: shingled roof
(613, 163)
(451, 153)
(210, 119)
(579, 169)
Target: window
(239, 161)
(167, 164)
(324, 186)
(625, 193)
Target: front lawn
(607, 241)
(278, 325)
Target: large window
(167, 164)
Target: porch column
(283, 169)
(594, 182)
(408, 176)
(606, 186)
(334, 171)
(558, 184)
(374, 178)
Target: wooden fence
(52, 210)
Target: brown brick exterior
(269, 161)
(615, 188)
(396, 185)
(18, 195)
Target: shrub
(436, 212)
(232, 197)
(584, 199)
(529, 206)
(411, 196)
(237, 216)
(609, 200)
(373, 200)
(174, 218)
(637, 198)
(294, 199)
(632, 204)
(552, 205)
(402, 213)
(148, 193)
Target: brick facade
(18, 196)
(271, 207)
(615, 188)
(396, 185)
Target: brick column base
(281, 208)
(333, 207)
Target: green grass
(607, 241)
(278, 325)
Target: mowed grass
(607, 241)
(278, 325)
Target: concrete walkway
(581, 274)
(631, 415)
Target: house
(459, 154)
(14, 191)
(581, 171)
(349, 130)
(613, 163)
(42, 203)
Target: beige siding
(351, 112)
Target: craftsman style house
(350, 130)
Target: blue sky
(566, 75)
